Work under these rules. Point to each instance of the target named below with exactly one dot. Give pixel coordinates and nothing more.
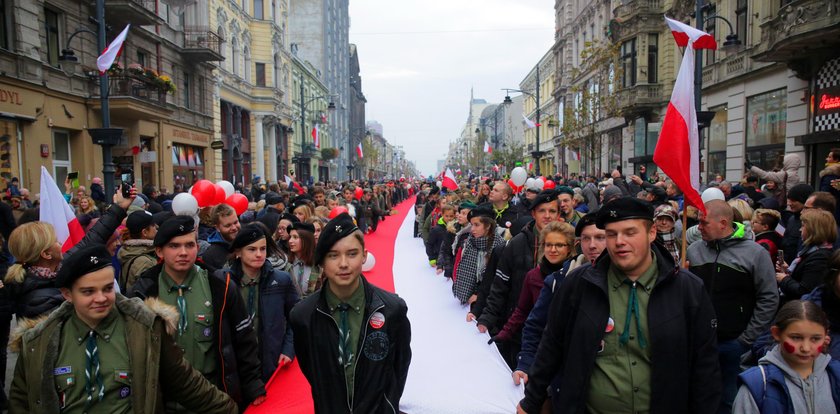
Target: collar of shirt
(356, 301)
(103, 330)
(646, 280)
(168, 283)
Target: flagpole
(684, 231)
(108, 167)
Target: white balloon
(518, 175)
(227, 186)
(539, 184)
(369, 262)
(184, 204)
(439, 184)
(529, 183)
(712, 193)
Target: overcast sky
(419, 60)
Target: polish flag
(359, 151)
(458, 171)
(111, 52)
(487, 148)
(449, 181)
(316, 136)
(530, 166)
(292, 184)
(529, 123)
(55, 210)
(677, 151)
(572, 155)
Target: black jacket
(238, 353)
(510, 215)
(216, 255)
(437, 236)
(685, 376)
(516, 260)
(808, 274)
(384, 354)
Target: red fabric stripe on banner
(287, 390)
(77, 233)
(673, 155)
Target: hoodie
(790, 166)
(811, 395)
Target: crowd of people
(598, 305)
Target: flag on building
(572, 155)
(359, 151)
(530, 166)
(677, 152)
(316, 136)
(487, 148)
(55, 210)
(293, 185)
(111, 52)
(529, 123)
(448, 181)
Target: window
(202, 95)
(141, 57)
(187, 90)
(653, 58)
(258, 9)
(260, 69)
(246, 66)
(51, 22)
(235, 56)
(628, 63)
(5, 24)
(639, 137)
(716, 160)
(710, 29)
(61, 155)
(766, 127)
(741, 21)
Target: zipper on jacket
(361, 346)
(343, 378)
(393, 410)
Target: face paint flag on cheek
(789, 348)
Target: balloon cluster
(206, 194)
(519, 181)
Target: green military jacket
(157, 363)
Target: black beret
(300, 201)
(482, 210)
(139, 220)
(303, 226)
(86, 260)
(546, 196)
(585, 221)
(162, 216)
(273, 198)
(564, 189)
(624, 208)
(247, 235)
(289, 216)
(338, 228)
(172, 228)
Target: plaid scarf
(42, 272)
(669, 240)
(474, 259)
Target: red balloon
(220, 195)
(543, 179)
(515, 187)
(549, 184)
(336, 211)
(239, 203)
(204, 192)
(359, 193)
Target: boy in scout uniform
(351, 338)
(214, 330)
(100, 352)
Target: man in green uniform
(100, 352)
(214, 329)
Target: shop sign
(828, 100)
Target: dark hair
(271, 248)
(823, 200)
(800, 310)
(832, 270)
(835, 154)
(307, 246)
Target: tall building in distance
(320, 30)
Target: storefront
(187, 152)
(825, 108)
(766, 128)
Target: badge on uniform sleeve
(201, 317)
(123, 375)
(377, 320)
(610, 325)
(63, 370)
(207, 332)
(125, 392)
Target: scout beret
(289, 216)
(624, 208)
(467, 204)
(172, 228)
(546, 196)
(137, 221)
(300, 201)
(247, 235)
(564, 189)
(86, 260)
(584, 222)
(482, 210)
(338, 228)
(273, 198)
(162, 216)
(302, 226)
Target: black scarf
(546, 268)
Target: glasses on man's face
(553, 246)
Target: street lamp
(704, 118)
(537, 154)
(352, 149)
(106, 136)
(303, 159)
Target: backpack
(766, 384)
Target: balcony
(119, 13)
(640, 99)
(202, 45)
(637, 16)
(801, 29)
(135, 97)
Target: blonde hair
(822, 228)
(322, 212)
(565, 229)
(91, 205)
(741, 207)
(26, 244)
(307, 211)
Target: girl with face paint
(796, 374)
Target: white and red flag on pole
(449, 181)
(292, 184)
(529, 123)
(55, 210)
(530, 166)
(316, 136)
(487, 148)
(359, 151)
(677, 152)
(572, 154)
(111, 52)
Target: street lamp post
(303, 159)
(537, 154)
(106, 136)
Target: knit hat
(800, 192)
(611, 193)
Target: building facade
(538, 86)
(313, 161)
(357, 129)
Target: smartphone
(127, 183)
(780, 261)
(74, 178)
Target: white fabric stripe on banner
(453, 370)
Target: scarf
(547, 268)
(806, 250)
(300, 276)
(474, 258)
(43, 272)
(669, 240)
